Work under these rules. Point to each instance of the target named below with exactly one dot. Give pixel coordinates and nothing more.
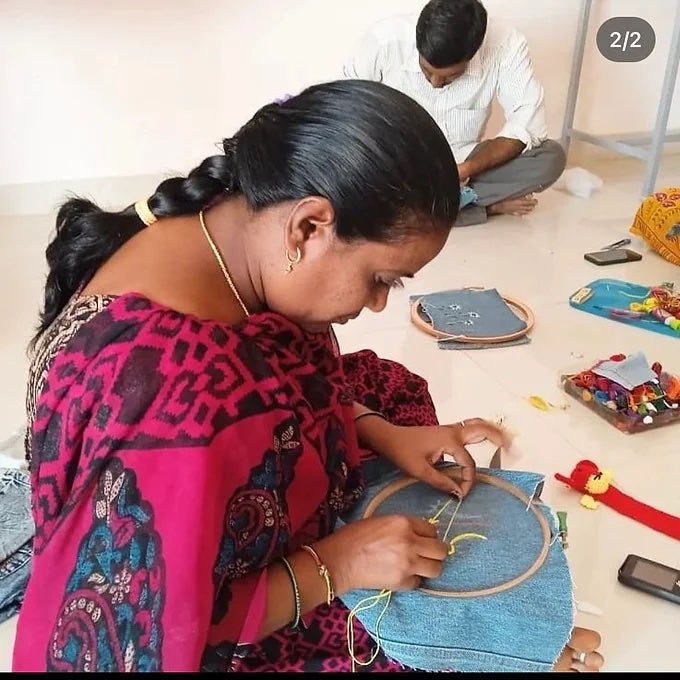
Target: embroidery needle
(453, 516)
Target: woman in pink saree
(195, 431)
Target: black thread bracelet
(296, 592)
(369, 413)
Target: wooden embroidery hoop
(400, 484)
(522, 310)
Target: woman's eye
(395, 283)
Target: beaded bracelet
(323, 572)
(296, 592)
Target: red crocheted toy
(596, 484)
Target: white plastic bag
(579, 182)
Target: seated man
(453, 64)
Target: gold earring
(293, 261)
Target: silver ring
(581, 658)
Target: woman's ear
(311, 219)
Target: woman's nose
(378, 300)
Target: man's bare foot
(513, 206)
(579, 656)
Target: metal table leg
(667, 90)
(655, 142)
(575, 78)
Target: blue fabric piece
(16, 539)
(472, 313)
(467, 196)
(10, 612)
(453, 344)
(629, 373)
(14, 573)
(521, 629)
(16, 520)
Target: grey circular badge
(626, 39)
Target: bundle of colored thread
(662, 306)
(669, 300)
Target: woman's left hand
(416, 450)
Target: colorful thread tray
(627, 392)
(651, 308)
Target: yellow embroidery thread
(386, 595)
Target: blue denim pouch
(515, 628)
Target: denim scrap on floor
(16, 539)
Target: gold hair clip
(144, 212)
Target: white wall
(133, 87)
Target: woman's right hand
(391, 552)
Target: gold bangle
(323, 572)
(369, 413)
(296, 592)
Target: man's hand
(489, 154)
(464, 172)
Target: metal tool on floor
(618, 244)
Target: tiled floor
(539, 260)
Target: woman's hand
(391, 552)
(416, 450)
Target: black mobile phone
(605, 257)
(651, 577)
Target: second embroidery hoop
(400, 484)
(519, 308)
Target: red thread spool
(602, 384)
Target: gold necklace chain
(220, 262)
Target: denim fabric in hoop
(472, 313)
(523, 628)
